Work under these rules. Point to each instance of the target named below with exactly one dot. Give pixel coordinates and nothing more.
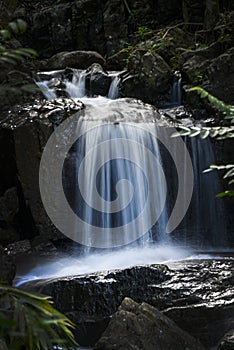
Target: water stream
(116, 169)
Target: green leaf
(225, 194)
(204, 133)
(5, 34)
(13, 27)
(22, 25)
(7, 60)
(230, 173)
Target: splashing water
(123, 175)
(114, 88)
(76, 88)
(47, 92)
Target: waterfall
(76, 88)
(176, 96)
(119, 164)
(116, 177)
(47, 92)
(114, 88)
(208, 211)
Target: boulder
(73, 59)
(221, 76)
(196, 295)
(150, 76)
(35, 123)
(194, 69)
(143, 327)
(99, 81)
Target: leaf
(175, 134)
(204, 133)
(230, 173)
(13, 27)
(7, 60)
(22, 25)
(225, 194)
(5, 34)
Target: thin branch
(127, 7)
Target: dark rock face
(149, 77)
(141, 326)
(7, 270)
(99, 81)
(198, 296)
(97, 25)
(221, 76)
(31, 127)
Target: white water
(47, 92)
(117, 113)
(114, 88)
(176, 97)
(96, 262)
(76, 88)
(71, 265)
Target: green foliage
(225, 109)
(28, 321)
(14, 56)
(175, 61)
(199, 77)
(219, 132)
(161, 39)
(229, 174)
(143, 31)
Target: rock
(221, 70)
(73, 59)
(197, 295)
(227, 342)
(18, 248)
(150, 77)
(99, 80)
(9, 205)
(32, 126)
(115, 26)
(8, 269)
(8, 235)
(194, 69)
(43, 246)
(141, 326)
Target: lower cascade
(111, 176)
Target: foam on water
(96, 262)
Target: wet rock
(73, 59)
(18, 248)
(32, 125)
(99, 80)
(227, 342)
(197, 295)
(141, 326)
(149, 77)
